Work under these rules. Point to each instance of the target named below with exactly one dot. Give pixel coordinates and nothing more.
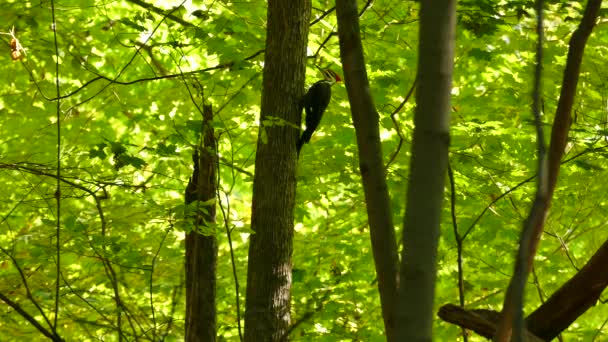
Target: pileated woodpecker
(315, 102)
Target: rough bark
(201, 250)
(267, 315)
(365, 119)
(428, 168)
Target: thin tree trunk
(427, 171)
(267, 314)
(559, 136)
(371, 166)
(201, 250)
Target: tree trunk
(267, 315)
(559, 137)
(201, 250)
(371, 166)
(427, 171)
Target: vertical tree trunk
(427, 171)
(371, 166)
(267, 315)
(201, 250)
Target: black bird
(315, 102)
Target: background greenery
(132, 74)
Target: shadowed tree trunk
(267, 314)
(365, 119)
(428, 168)
(201, 244)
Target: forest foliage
(132, 76)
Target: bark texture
(371, 165)
(267, 315)
(201, 250)
(428, 168)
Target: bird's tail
(305, 138)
